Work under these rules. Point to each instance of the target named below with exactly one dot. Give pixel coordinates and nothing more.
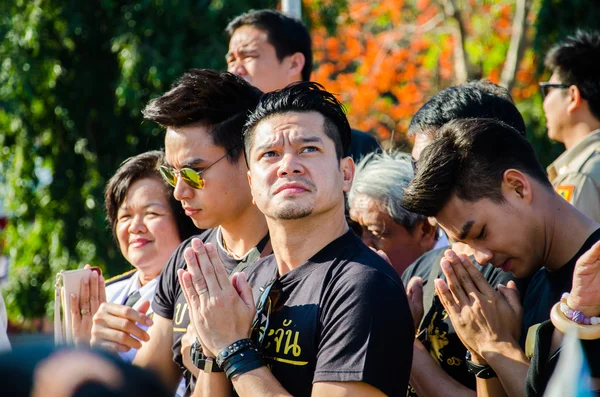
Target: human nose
(236, 67)
(182, 190)
(137, 225)
(290, 165)
(483, 257)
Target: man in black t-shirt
(481, 180)
(203, 114)
(435, 333)
(333, 317)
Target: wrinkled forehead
(247, 36)
(291, 127)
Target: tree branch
(462, 65)
(517, 44)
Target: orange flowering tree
(385, 59)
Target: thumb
(143, 307)
(241, 285)
(512, 296)
(415, 289)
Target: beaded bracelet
(575, 315)
(561, 322)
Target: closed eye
(481, 233)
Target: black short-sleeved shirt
(169, 301)
(342, 316)
(438, 335)
(559, 281)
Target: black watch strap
(480, 371)
(202, 362)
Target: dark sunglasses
(267, 303)
(545, 87)
(192, 177)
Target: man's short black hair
(219, 100)
(475, 99)
(143, 166)
(468, 158)
(576, 60)
(303, 96)
(288, 35)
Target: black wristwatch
(480, 371)
(206, 364)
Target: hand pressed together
(480, 315)
(221, 310)
(585, 292)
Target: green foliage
(74, 77)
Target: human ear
(574, 99)
(296, 62)
(347, 167)
(516, 184)
(249, 175)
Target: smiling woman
(148, 224)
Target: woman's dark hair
(468, 158)
(133, 169)
(576, 61)
(304, 96)
(219, 100)
(287, 35)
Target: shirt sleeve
(366, 333)
(582, 191)
(168, 286)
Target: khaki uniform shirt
(576, 175)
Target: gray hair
(383, 177)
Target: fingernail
(197, 243)
(189, 254)
(101, 279)
(445, 264)
(73, 296)
(451, 255)
(149, 322)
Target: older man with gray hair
(374, 202)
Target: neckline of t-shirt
(219, 238)
(559, 274)
(324, 255)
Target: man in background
(572, 108)
(271, 50)
(375, 203)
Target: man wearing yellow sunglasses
(203, 114)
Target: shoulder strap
(254, 255)
(122, 276)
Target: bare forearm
(213, 384)
(259, 382)
(424, 368)
(490, 388)
(510, 364)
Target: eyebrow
(310, 139)
(242, 50)
(150, 204)
(466, 229)
(194, 162)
